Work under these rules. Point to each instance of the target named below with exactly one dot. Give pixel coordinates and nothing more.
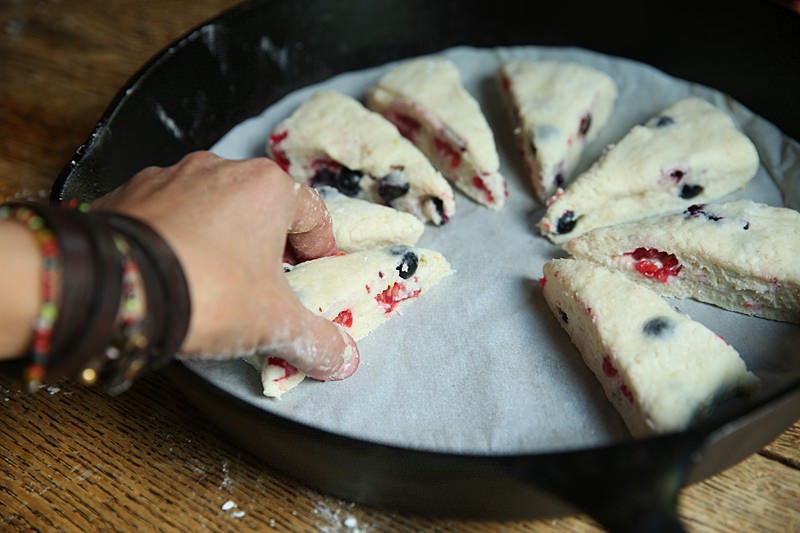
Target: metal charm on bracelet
(127, 353)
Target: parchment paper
(480, 364)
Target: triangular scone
(689, 153)
(743, 256)
(358, 291)
(361, 225)
(333, 140)
(660, 369)
(558, 107)
(426, 101)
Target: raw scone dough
(424, 98)
(660, 369)
(361, 225)
(557, 108)
(743, 256)
(333, 140)
(689, 153)
(358, 291)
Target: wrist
(21, 288)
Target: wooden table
(74, 459)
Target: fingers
(327, 351)
(311, 230)
(315, 346)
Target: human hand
(228, 221)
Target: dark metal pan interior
(228, 70)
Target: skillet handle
(638, 500)
(629, 487)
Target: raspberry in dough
(557, 108)
(424, 98)
(660, 369)
(361, 225)
(689, 153)
(358, 291)
(333, 140)
(742, 256)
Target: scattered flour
(330, 513)
(226, 476)
(228, 505)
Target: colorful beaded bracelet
(48, 311)
(127, 354)
(169, 294)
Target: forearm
(19, 288)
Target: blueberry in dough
(566, 222)
(663, 121)
(408, 265)
(346, 181)
(658, 327)
(392, 186)
(690, 191)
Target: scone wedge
(425, 99)
(660, 369)
(557, 108)
(742, 256)
(334, 140)
(359, 291)
(361, 225)
(689, 153)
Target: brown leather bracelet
(173, 285)
(118, 374)
(99, 323)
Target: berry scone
(424, 98)
(557, 108)
(358, 291)
(689, 153)
(361, 225)
(660, 369)
(742, 256)
(333, 140)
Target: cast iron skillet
(232, 68)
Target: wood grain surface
(72, 459)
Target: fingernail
(351, 358)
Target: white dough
(743, 256)
(660, 369)
(331, 130)
(689, 153)
(361, 225)
(558, 107)
(358, 291)
(425, 99)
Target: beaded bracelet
(129, 339)
(48, 311)
(171, 292)
(104, 293)
(128, 354)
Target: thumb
(317, 347)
